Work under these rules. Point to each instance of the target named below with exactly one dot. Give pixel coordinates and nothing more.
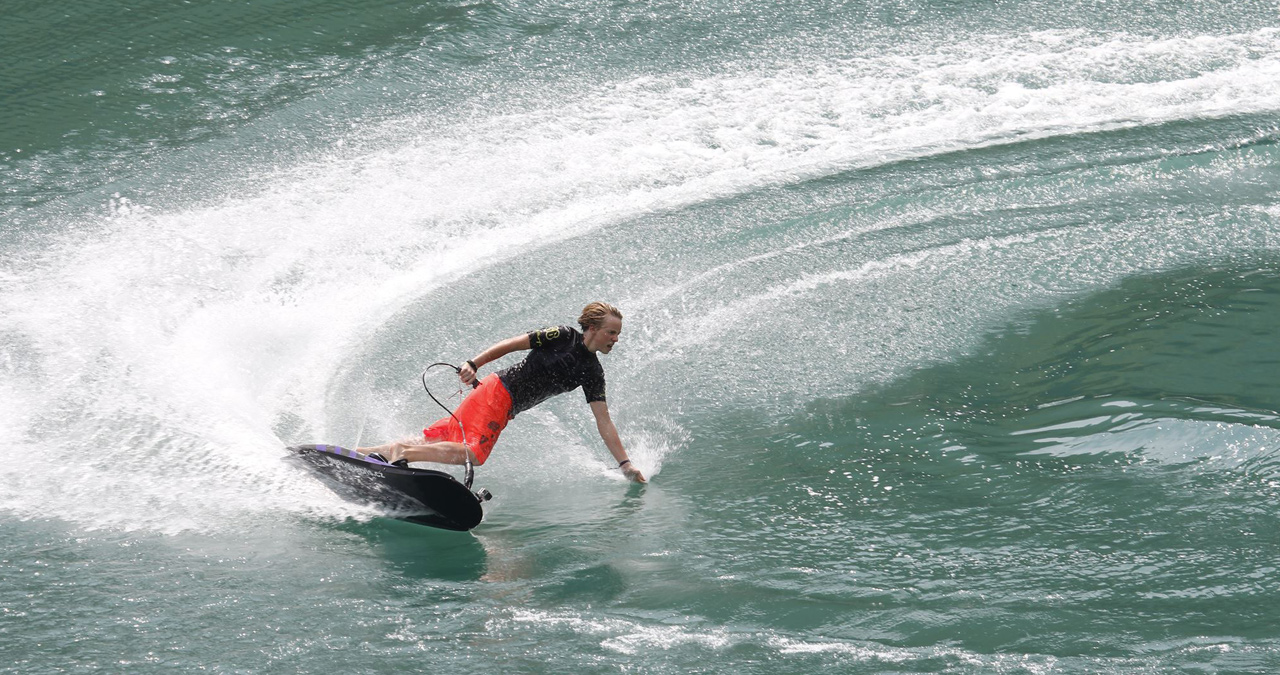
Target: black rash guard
(558, 362)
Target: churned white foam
(630, 637)
(721, 134)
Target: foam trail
(179, 338)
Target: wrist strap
(623, 463)
(473, 365)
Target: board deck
(433, 498)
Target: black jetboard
(435, 498)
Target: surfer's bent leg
(478, 420)
(444, 452)
(474, 427)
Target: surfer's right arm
(497, 351)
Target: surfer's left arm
(609, 434)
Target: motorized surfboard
(434, 498)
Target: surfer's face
(602, 338)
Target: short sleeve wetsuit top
(558, 362)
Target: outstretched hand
(631, 472)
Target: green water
(948, 340)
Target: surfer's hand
(631, 472)
(466, 373)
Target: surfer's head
(593, 315)
(601, 325)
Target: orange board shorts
(484, 413)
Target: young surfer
(560, 359)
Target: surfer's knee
(478, 455)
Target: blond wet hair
(593, 314)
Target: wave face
(948, 339)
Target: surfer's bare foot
(375, 452)
(396, 455)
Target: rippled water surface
(948, 340)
